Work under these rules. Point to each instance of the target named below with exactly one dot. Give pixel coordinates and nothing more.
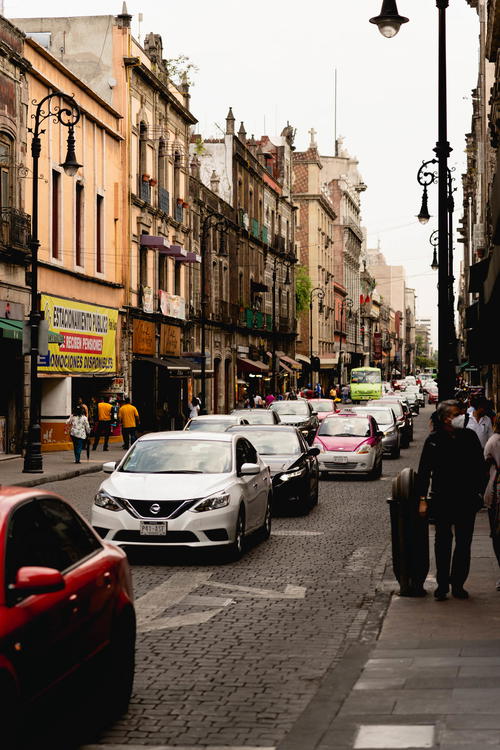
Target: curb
(70, 474)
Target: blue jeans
(77, 447)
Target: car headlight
(365, 448)
(390, 431)
(104, 500)
(214, 502)
(292, 474)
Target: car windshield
(396, 406)
(366, 376)
(381, 416)
(179, 457)
(209, 425)
(345, 427)
(326, 405)
(261, 416)
(298, 408)
(274, 442)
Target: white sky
(274, 61)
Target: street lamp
(391, 21)
(318, 292)
(347, 303)
(68, 115)
(288, 264)
(212, 220)
(434, 241)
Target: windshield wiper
(178, 471)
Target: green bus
(366, 383)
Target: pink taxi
(349, 444)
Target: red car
(65, 599)
(432, 395)
(322, 407)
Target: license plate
(153, 528)
(340, 459)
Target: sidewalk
(431, 680)
(57, 465)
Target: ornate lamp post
(274, 374)
(347, 303)
(318, 292)
(389, 23)
(434, 241)
(67, 114)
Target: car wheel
(396, 452)
(10, 714)
(236, 549)
(120, 677)
(265, 531)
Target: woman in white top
(194, 407)
(79, 431)
(491, 499)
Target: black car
(403, 414)
(292, 463)
(258, 416)
(300, 414)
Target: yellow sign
(88, 345)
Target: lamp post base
(33, 459)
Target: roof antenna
(140, 18)
(336, 152)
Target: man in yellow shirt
(129, 417)
(103, 426)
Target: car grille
(338, 465)
(171, 537)
(168, 508)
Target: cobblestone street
(231, 654)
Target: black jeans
(103, 428)
(129, 435)
(495, 538)
(463, 527)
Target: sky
(274, 61)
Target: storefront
(81, 362)
(11, 392)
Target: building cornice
(155, 82)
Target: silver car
(185, 489)
(387, 423)
(214, 422)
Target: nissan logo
(155, 508)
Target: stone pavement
(57, 465)
(431, 680)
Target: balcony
(264, 234)
(222, 311)
(163, 200)
(279, 242)
(179, 213)
(255, 229)
(145, 191)
(15, 229)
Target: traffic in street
(231, 648)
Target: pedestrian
(345, 393)
(79, 430)
(129, 418)
(333, 392)
(479, 422)
(452, 458)
(257, 400)
(292, 396)
(318, 390)
(492, 492)
(103, 427)
(85, 408)
(269, 399)
(194, 407)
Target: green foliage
(303, 286)
(422, 362)
(180, 70)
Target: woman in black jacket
(452, 464)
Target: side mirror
(248, 469)
(313, 451)
(109, 467)
(37, 580)
(380, 433)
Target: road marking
(179, 621)
(174, 747)
(167, 594)
(293, 532)
(290, 592)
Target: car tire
(120, 678)
(376, 472)
(265, 531)
(396, 452)
(10, 714)
(236, 549)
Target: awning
(285, 367)
(477, 275)
(291, 362)
(175, 366)
(256, 286)
(11, 329)
(303, 358)
(250, 365)
(330, 363)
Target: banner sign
(172, 305)
(82, 337)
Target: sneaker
(460, 593)
(440, 595)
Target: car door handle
(73, 601)
(107, 579)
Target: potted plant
(145, 178)
(153, 182)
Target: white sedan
(186, 489)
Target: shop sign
(83, 340)
(147, 299)
(11, 310)
(172, 305)
(144, 339)
(170, 340)
(377, 346)
(117, 385)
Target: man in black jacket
(453, 461)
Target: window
(98, 235)
(240, 289)
(79, 260)
(143, 267)
(245, 454)
(162, 272)
(177, 280)
(56, 194)
(162, 164)
(5, 170)
(177, 175)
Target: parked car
(217, 492)
(387, 423)
(291, 461)
(403, 416)
(412, 401)
(322, 406)
(65, 602)
(432, 395)
(418, 391)
(349, 444)
(214, 422)
(257, 416)
(300, 414)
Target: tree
(303, 286)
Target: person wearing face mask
(480, 422)
(491, 495)
(452, 465)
